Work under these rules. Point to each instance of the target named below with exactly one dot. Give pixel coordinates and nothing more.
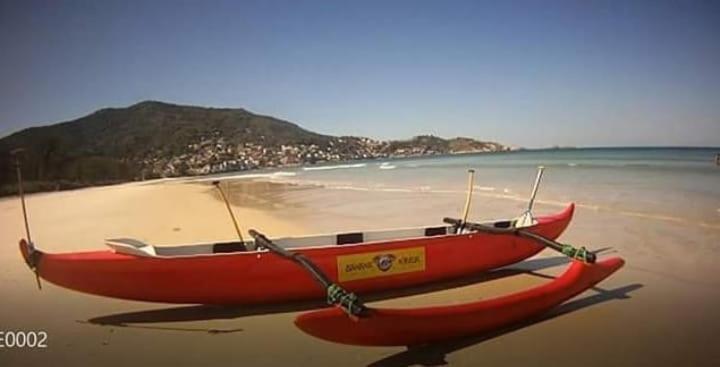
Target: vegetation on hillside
(153, 139)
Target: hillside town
(217, 154)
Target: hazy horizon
(522, 73)
(551, 146)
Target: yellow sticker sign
(381, 263)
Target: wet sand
(661, 309)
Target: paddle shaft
(468, 200)
(229, 209)
(531, 202)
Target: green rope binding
(576, 253)
(349, 302)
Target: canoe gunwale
(159, 249)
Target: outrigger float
(354, 323)
(345, 265)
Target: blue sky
(526, 73)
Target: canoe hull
(263, 278)
(408, 327)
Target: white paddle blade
(525, 220)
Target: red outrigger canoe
(238, 273)
(416, 326)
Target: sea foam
(245, 176)
(339, 166)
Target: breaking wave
(245, 176)
(339, 166)
(484, 188)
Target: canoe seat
(228, 247)
(131, 246)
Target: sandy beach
(660, 310)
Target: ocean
(680, 185)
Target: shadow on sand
(434, 354)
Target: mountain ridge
(159, 139)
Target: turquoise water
(680, 185)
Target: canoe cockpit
(138, 248)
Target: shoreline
(10, 190)
(268, 170)
(259, 170)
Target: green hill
(155, 139)
(109, 145)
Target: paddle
(468, 200)
(568, 250)
(336, 295)
(229, 209)
(525, 220)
